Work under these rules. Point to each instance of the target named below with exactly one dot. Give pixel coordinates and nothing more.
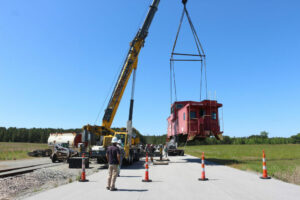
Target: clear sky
(58, 60)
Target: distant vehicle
(172, 149)
(132, 149)
(40, 153)
(62, 153)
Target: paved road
(178, 180)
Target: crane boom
(129, 65)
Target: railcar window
(202, 113)
(193, 115)
(183, 116)
(178, 106)
(214, 115)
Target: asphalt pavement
(178, 180)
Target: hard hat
(119, 142)
(114, 140)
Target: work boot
(107, 188)
(113, 189)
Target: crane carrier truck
(105, 132)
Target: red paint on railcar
(194, 120)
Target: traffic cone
(82, 178)
(203, 178)
(147, 171)
(265, 173)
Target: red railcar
(194, 120)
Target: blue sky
(58, 60)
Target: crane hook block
(184, 1)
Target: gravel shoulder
(22, 186)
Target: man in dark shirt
(113, 159)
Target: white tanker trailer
(64, 138)
(61, 144)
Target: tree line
(40, 135)
(32, 135)
(262, 138)
(155, 139)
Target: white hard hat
(114, 140)
(119, 141)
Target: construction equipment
(40, 153)
(72, 139)
(172, 149)
(132, 152)
(61, 153)
(129, 66)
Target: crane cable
(172, 71)
(201, 54)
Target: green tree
(296, 139)
(264, 134)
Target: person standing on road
(122, 154)
(113, 159)
(166, 150)
(152, 150)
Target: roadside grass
(283, 160)
(16, 150)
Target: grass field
(16, 151)
(283, 161)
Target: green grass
(283, 160)
(16, 151)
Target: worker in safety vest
(113, 159)
(122, 154)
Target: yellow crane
(129, 66)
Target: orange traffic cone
(82, 178)
(147, 171)
(265, 173)
(203, 178)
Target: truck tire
(54, 158)
(130, 158)
(98, 161)
(182, 153)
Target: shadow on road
(135, 165)
(213, 161)
(103, 167)
(216, 161)
(132, 190)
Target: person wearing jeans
(113, 159)
(122, 154)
